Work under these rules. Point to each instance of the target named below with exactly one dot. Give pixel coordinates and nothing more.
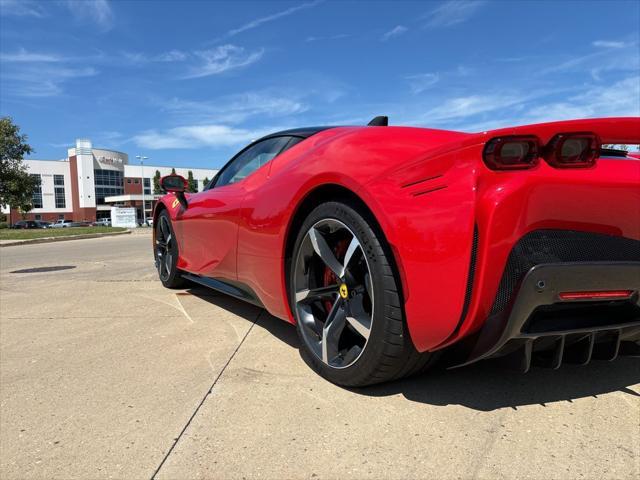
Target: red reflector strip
(604, 294)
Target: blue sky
(189, 83)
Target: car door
(208, 228)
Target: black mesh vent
(555, 246)
(472, 271)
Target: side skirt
(235, 289)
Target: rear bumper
(538, 325)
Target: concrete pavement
(105, 374)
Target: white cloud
(139, 58)
(221, 59)
(490, 112)
(452, 12)
(197, 136)
(24, 56)
(96, 11)
(234, 108)
(609, 44)
(172, 56)
(37, 74)
(269, 18)
(21, 8)
(459, 108)
(338, 36)
(620, 99)
(421, 82)
(625, 57)
(394, 32)
(41, 80)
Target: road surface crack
(209, 391)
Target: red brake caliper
(330, 278)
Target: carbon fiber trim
(539, 322)
(559, 246)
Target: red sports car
(387, 246)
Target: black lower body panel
(541, 327)
(235, 289)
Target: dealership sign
(123, 217)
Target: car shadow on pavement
(483, 386)
(280, 329)
(488, 385)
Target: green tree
(192, 184)
(156, 183)
(173, 171)
(205, 182)
(16, 185)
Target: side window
(292, 142)
(250, 160)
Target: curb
(62, 238)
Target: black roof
(306, 132)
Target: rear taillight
(573, 150)
(512, 152)
(597, 295)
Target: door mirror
(173, 183)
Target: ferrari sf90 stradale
(387, 246)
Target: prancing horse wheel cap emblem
(344, 291)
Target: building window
(37, 216)
(61, 217)
(136, 181)
(36, 200)
(128, 180)
(58, 185)
(147, 186)
(107, 184)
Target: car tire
(166, 253)
(373, 344)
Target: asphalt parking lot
(105, 374)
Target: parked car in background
(43, 224)
(65, 224)
(24, 224)
(102, 222)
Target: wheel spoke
(164, 228)
(358, 318)
(324, 252)
(167, 263)
(309, 320)
(161, 266)
(308, 295)
(353, 246)
(361, 325)
(333, 327)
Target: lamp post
(142, 158)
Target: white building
(85, 185)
